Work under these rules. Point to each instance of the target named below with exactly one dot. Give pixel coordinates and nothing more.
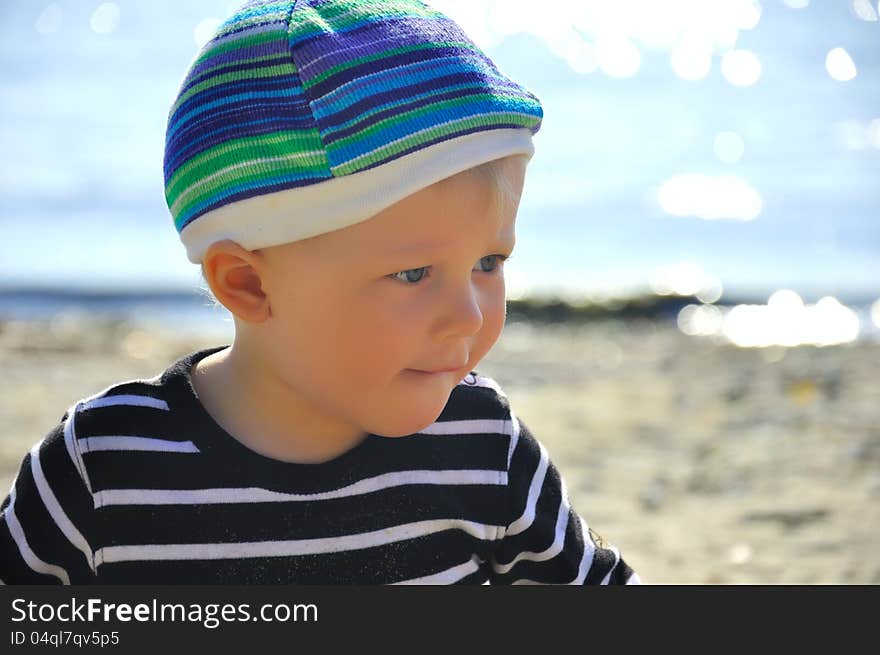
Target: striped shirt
(139, 485)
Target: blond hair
(493, 173)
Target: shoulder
(114, 428)
(126, 435)
(119, 406)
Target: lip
(445, 370)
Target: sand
(703, 462)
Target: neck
(248, 399)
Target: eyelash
(501, 259)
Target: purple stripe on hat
(236, 115)
(242, 109)
(360, 91)
(228, 89)
(354, 72)
(382, 40)
(209, 108)
(219, 130)
(240, 113)
(394, 76)
(481, 112)
(409, 92)
(370, 38)
(175, 162)
(426, 30)
(330, 136)
(227, 60)
(279, 26)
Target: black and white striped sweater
(139, 485)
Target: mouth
(445, 370)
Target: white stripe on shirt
(261, 495)
(28, 555)
(589, 553)
(562, 518)
(586, 559)
(127, 442)
(528, 516)
(74, 536)
(292, 547)
(514, 438)
(470, 426)
(71, 445)
(449, 576)
(611, 570)
(128, 400)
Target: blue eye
(421, 273)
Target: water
(82, 119)
(174, 314)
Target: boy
(337, 168)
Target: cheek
(378, 336)
(308, 319)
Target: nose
(462, 315)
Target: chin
(414, 408)
(411, 429)
(407, 424)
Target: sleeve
(545, 541)
(47, 515)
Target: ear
(234, 275)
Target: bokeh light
(840, 65)
(617, 56)
(686, 279)
(609, 36)
(578, 53)
(700, 320)
(741, 67)
(105, 19)
(691, 59)
(710, 197)
(852, 135)
(516, 282)
(49, 20)
(864, 10)
(784, 321)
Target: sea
(726, 147)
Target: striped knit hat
(300, 117)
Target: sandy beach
(703, 462)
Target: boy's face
(357, 312)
